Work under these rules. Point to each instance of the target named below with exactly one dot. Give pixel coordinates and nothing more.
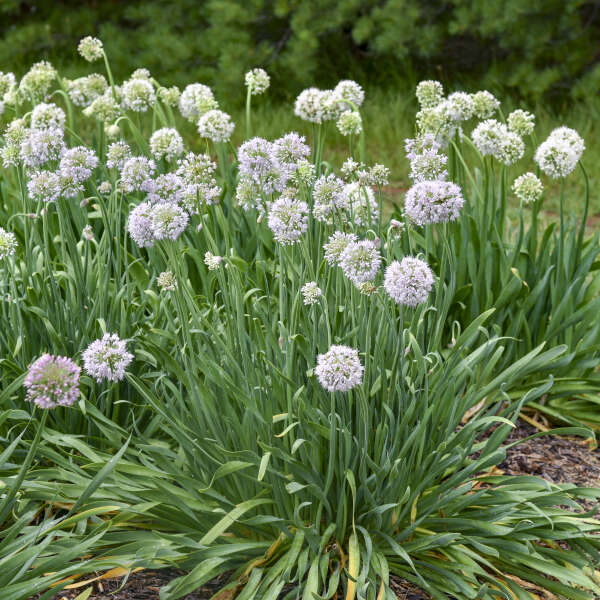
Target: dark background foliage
(535, 49)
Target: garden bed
(555, 459)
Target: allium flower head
(379, 175)
(216, 125)
(135, 172)
(37, 81)
(360, 261)
(47, 115)
(44, 186)
(105, 188)
(169, 96)
(336, 245)
(138, 95)
(511, 149)
(141, 73)
(87, 233)
(78, 163)
(84, 90)
(316, 105)
(521, 122)
(528, 188)
(409, 281)
(166, 281)
(40, 146)
(461, 106)
(339, 369)
(107, 358)
(8, 243)
(349, 123)
(349, 94)
(433, 202)
(429, 93)
(438, 121)
(52, 381)
(426, 162)
(196, 168)
(117, 154)
(167, 187)
(363, 205)
(484, 104)
(305, 173)
(7, 83)
(559, 154)
(195, 100)
(70, 186)
(166, 143)
(256, 161)
(288, 150)
(212, 261)
(330, 196)
(103, 108)
(168, 221)
(288, 219)
(257, 81)
(493, 138)
(90, 48)
(311, 292)
(247, 194)
(139, 225)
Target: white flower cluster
(317, 106)
(166, 143)
(559, 154)
(216, 125)
(195, 100)
(311, 292)
(257, 81)
(339, 369)
(442, 117)
(495, 139)
(409, 281)
(528, 188)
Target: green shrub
(538, 49)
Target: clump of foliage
(234, 360)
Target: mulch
(556, 459)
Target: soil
(556, 459)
